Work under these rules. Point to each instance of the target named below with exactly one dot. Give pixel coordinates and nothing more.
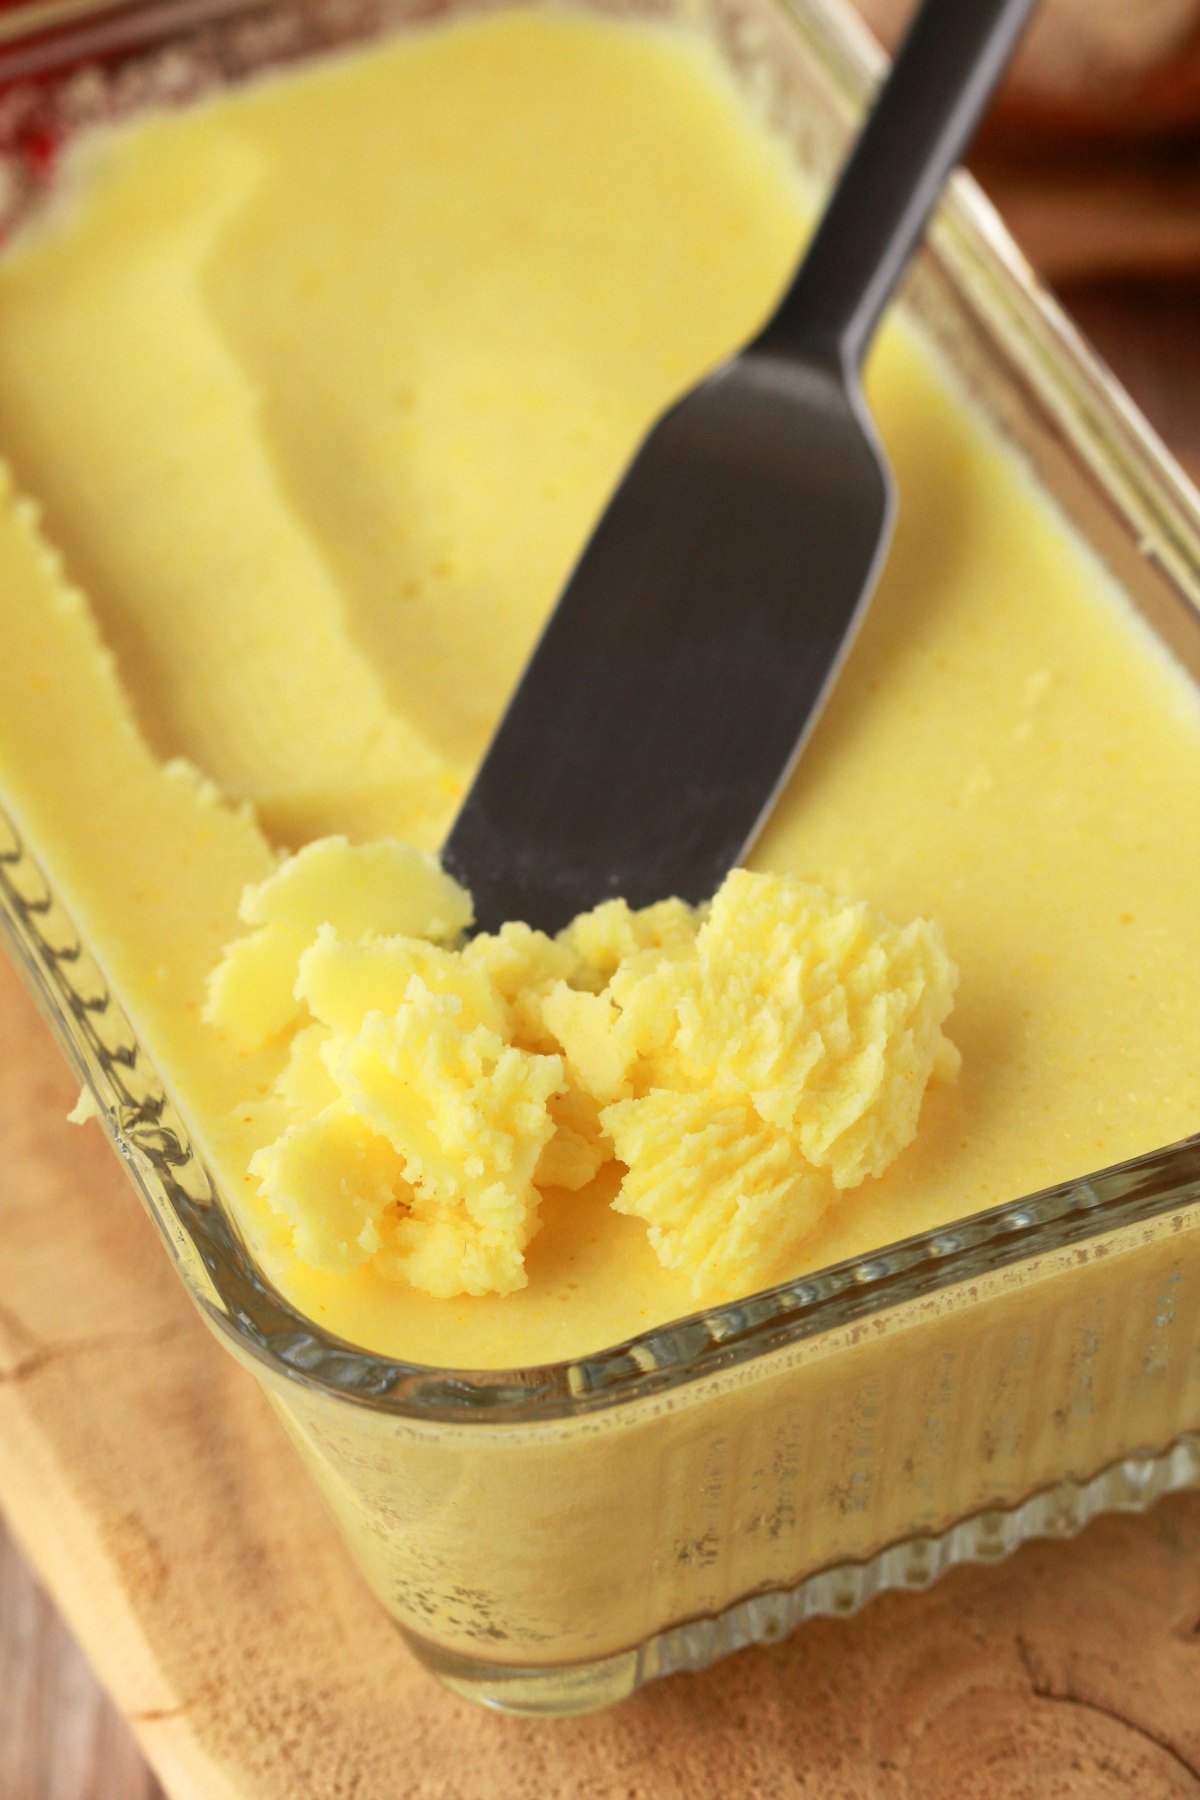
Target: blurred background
(1092, 155)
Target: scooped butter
(743, 1062)
(369, 404)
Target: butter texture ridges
(297, 603)
(742, 1064)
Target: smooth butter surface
(319, 389)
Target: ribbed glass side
(1130, 1485)
(821, 1455)
(860, 1429)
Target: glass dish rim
(993, 280)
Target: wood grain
(159, 1499)
(168, 1517)
(61, 1737)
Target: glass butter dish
(550, 1538)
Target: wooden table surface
(61, 1739)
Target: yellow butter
(744, 1062)
(302, 446)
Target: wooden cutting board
(159, 1500)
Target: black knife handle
(919, 128)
